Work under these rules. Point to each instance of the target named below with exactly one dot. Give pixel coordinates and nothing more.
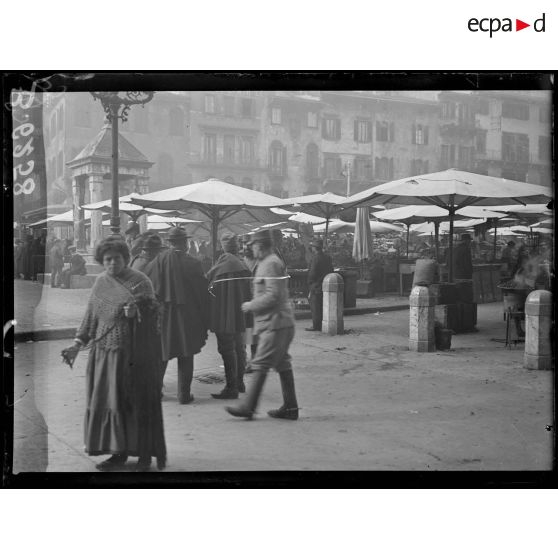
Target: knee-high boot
(185, 375)
(240, 368)
(289, 409)
(230, 390)
(248, 407)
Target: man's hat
(153, 242)
(261, 236)
(72, 248)
(317, 243)
(177, 233)
(229, 242)
(133, 228)
(465, 236)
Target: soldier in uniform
(229, 286)
(274, 325)
(181, 288)
(320, 266)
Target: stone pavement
(44, 313)
(367, 403)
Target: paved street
(368, 403)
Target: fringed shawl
(104, 322)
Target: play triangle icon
(519, 25)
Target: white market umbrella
(325, 206)
(452, 190)
(63, 218)
(215, 201)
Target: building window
(465, 115)
(210, 148)
(363, 131)
(247, 182)
(228, 105)
(331, 128)
(448, 110)
(60, 164)
(61, 118)
(483, 106)
(246, 150)
(277, 158)
(275, 115)
(209, 101)
(519, 111)
(384, 168)
(229, 145)
(83, 117)
(480, 142)
(363, 168)
(247, 108)
(385, 131)
(141, 120)
(420, 134)
(419, 166)
(332, 167)
(515, 147)
(464, 157)
(176, 122)
(312, 161)
(448, 156)
(545, 114)
(544, 148)
(312, 120)
(166, 169)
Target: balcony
(457, 126)
(218, 160)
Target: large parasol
(325, 206)
(217, 202)
(452, 190)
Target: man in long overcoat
(274, 324)
(229, 286)
(181, 288)
(320, 266)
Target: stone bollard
(421, 320)
(538, 322)
(332, 320)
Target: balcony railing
(220, 160)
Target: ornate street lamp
(116, 105)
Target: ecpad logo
(494, 24)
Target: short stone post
(332, 320)
(421, 320)
(538, 321)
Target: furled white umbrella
(362, 241)
(452, 190)
(217, 202)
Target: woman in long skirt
(123, 415)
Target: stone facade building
(291, 143)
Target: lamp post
(116, 105)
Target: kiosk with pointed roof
(91, 167)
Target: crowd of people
(154, 303)
(37, 255)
